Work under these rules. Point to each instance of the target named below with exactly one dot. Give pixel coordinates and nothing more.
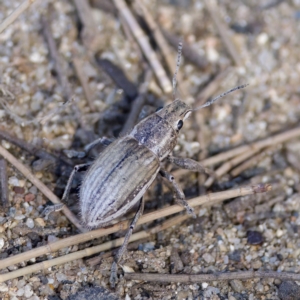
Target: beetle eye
(159, 108)
(179, 124)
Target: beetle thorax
(159, 132)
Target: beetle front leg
(189, 164)
(178, 193)
(70, 180)
(80, 154)
(114, 267)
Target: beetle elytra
(120, 175)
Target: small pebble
(33, 190)
(40, 222)
(226, 260)
(30, 223)
(12, 212)
(28, 291)
(289, 290)
(29, 197)
(20, 292)
(3, 287)
(210, 291)
(61, 277)
(34, 297)
(256, 264)
(1, 243)
(254, 237)
(13, 181)
(279, 233)
(52, 238)
(208, 258)
(235, 256)
(237, 285)
(259, 287)
(182, 295)
(146, 247)
(204, 285)
(21, 283)
(18, 190)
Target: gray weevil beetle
(120, 175)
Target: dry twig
(210, 199)
(250, 162)
(9, 157)
(78, 66)
(3, 184)
(222, 29)
(34, 150)
(57, 61)
(137, 104)
(269, 141)
(143, 41)
(185, 278)
(166, 51)
(229, 165)
(97, 259)
(15, 14)
(90, 251)
(90, 35)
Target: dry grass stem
(229, 165)
(90, 251)
(57, 61)
(137, 105)
(270, 141)
(10, 158)
(167, 52)
(185, 278)
(143, 41)
(212, 8)
(4, 184)
(34, 150)
(78, 66)
(15, 14)
(95, 260)
(250, 162)
(209, 199)
(90, 35)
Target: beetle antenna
(210, 102)
(174, 81)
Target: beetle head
(175, 113)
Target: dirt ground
(74, 71)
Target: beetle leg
(189, 164)
(80, 154)
(103, 140)
(49, 209)
(114, 267)
(178, 193)
(70, 180)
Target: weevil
(118, 178)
